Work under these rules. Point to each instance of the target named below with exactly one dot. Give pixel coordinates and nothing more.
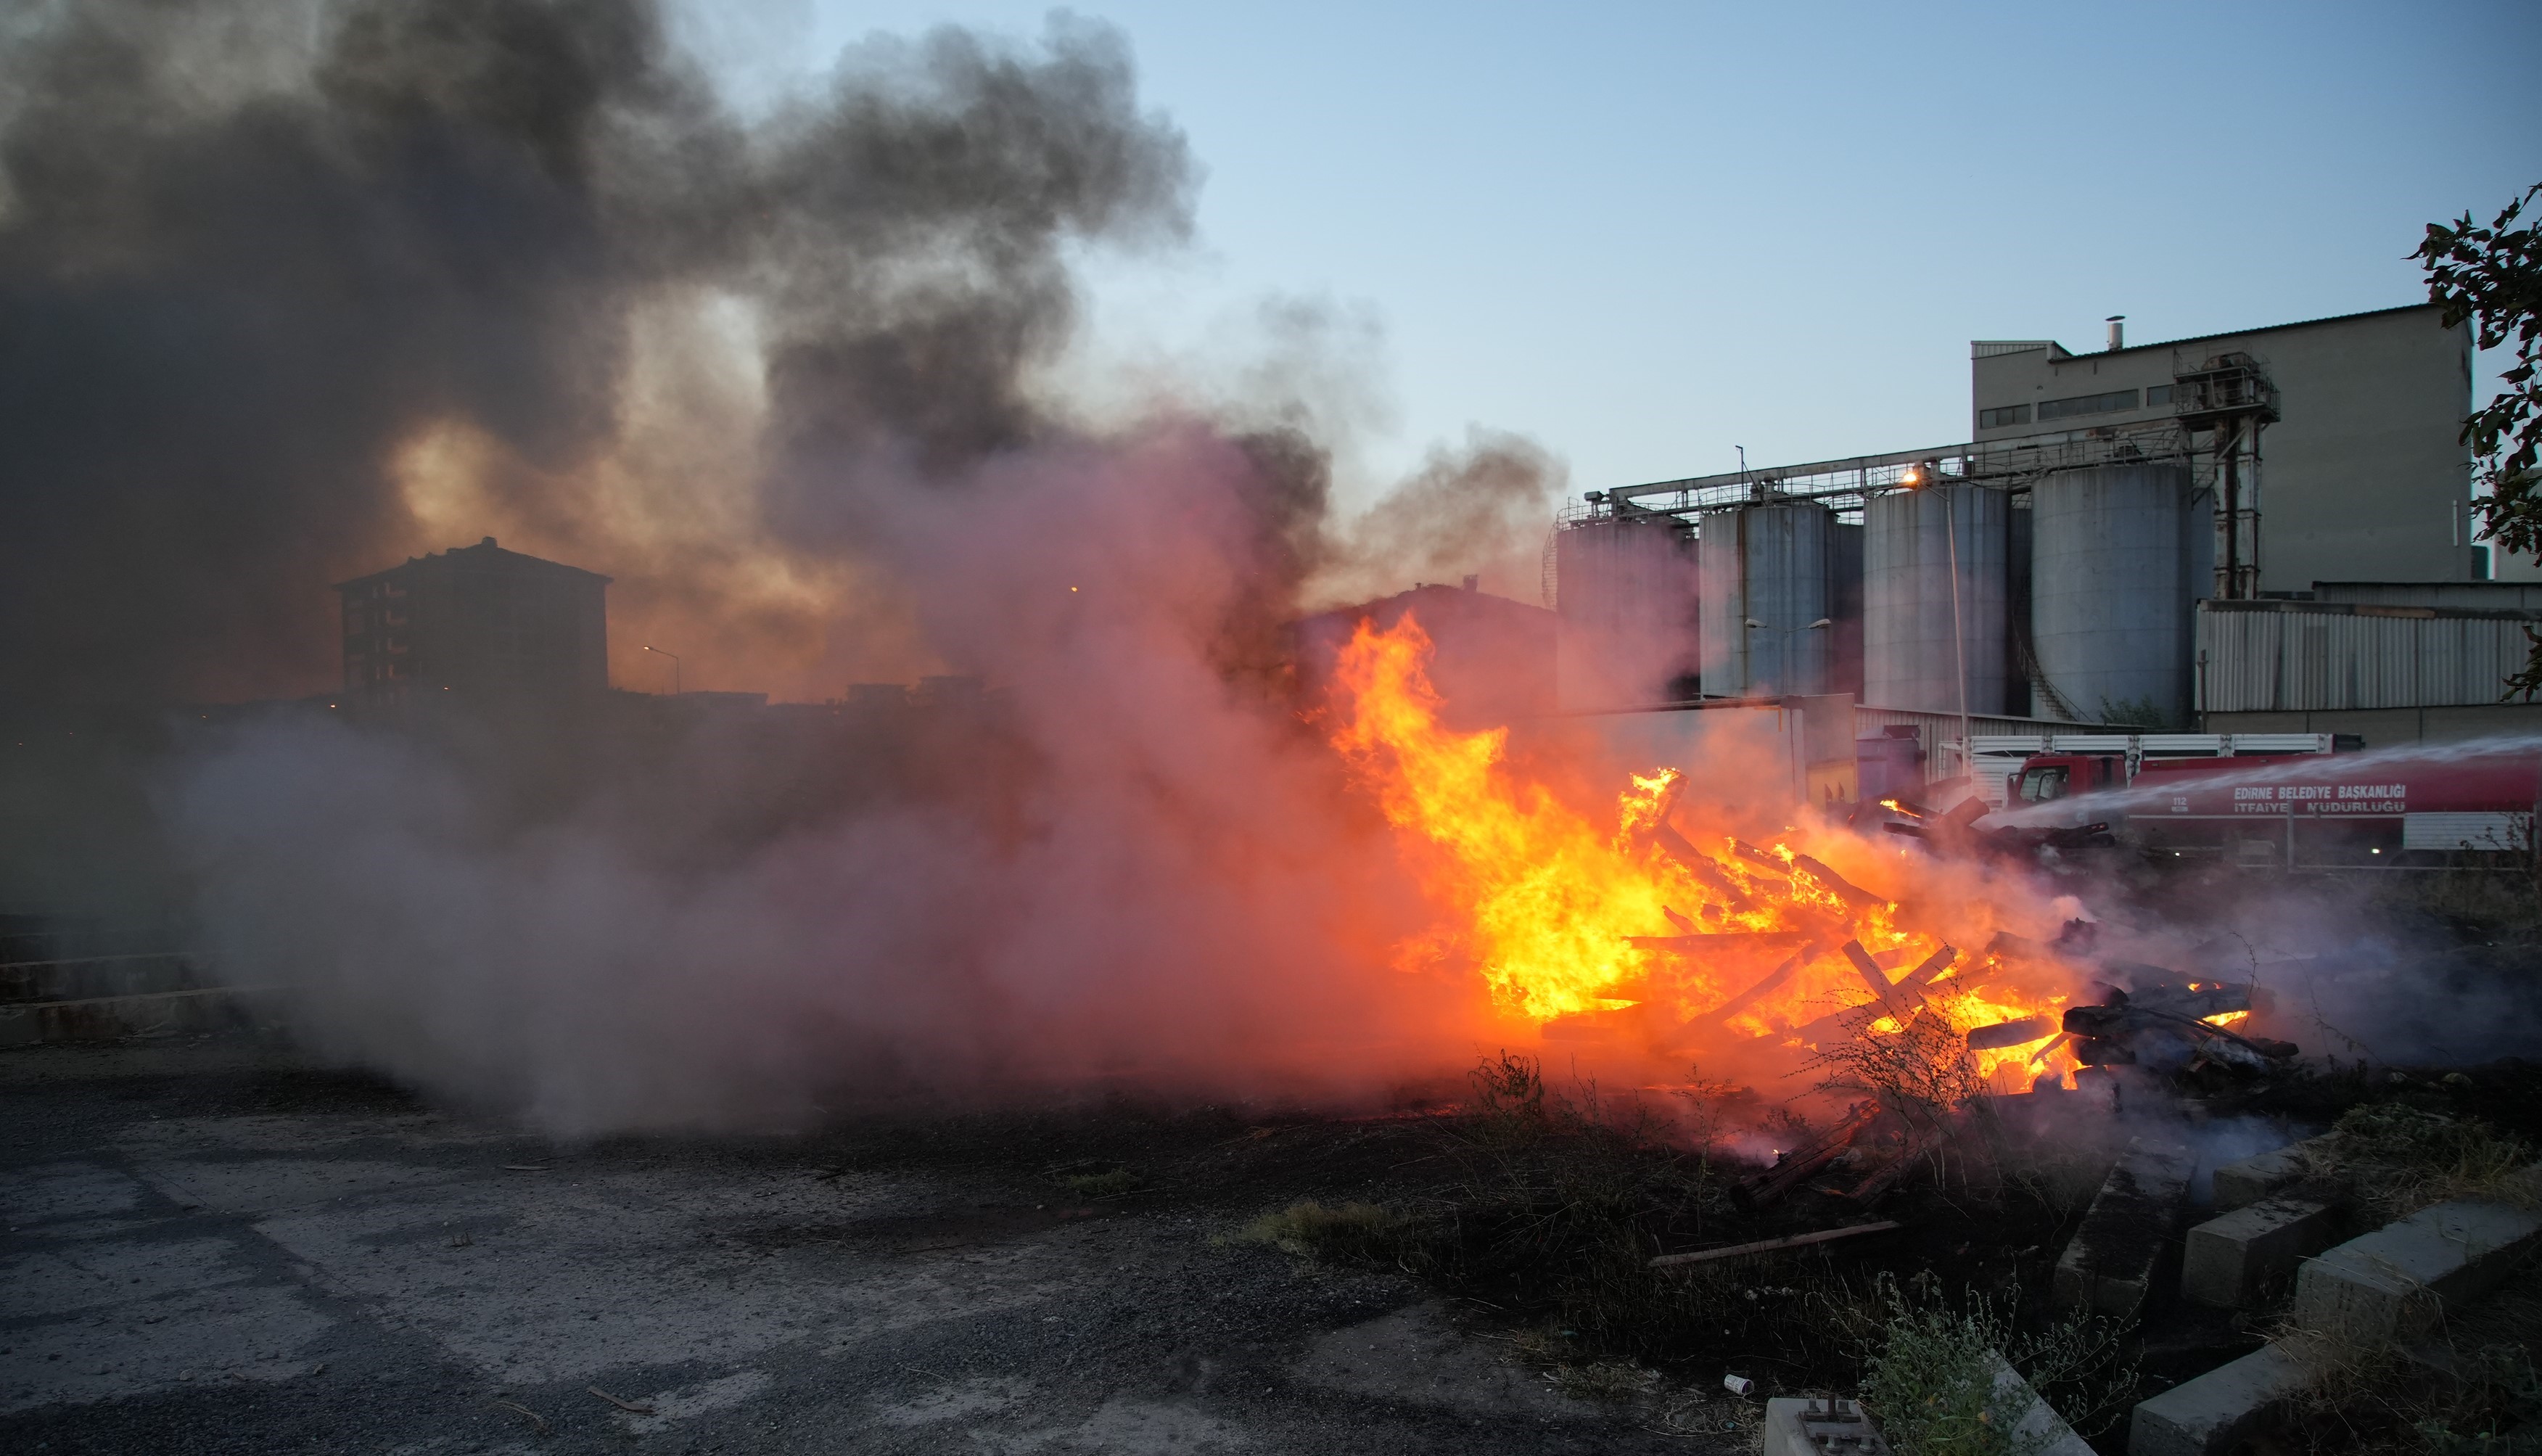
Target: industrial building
(2149, 536)
(2367, 477)
(477, 622)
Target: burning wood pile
(2171, 1024)
(1676, 935)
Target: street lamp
(675, 667)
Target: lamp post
(675, 667)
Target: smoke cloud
(1121, 869)
(287, 292)
(1483, 509)
(283, 298)
(287, 295)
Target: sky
(1646, 235)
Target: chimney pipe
(2118, 332)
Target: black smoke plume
(286, 293)
(247, 256)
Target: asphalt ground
(219, 1246)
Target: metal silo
(1721, 574)
(1916, 640)
(1624, 592)
(1767, 599)
(2110, 589)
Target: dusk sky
(1646, 234)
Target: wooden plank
(1773, 1246)
(2011, 1033)
(1806, 1161)
(1699, 865)
(1902, 1002)
(1846, 890)
(1741, 1002)
(1719, 940)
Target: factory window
(2159, 394)
(2087, 403)
(1999, 418)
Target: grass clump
(2402, 1158)
(1345, 1233)
(1604, 1380)
(2375, 1399)
(2497, 1412)
(1933, 1378)
(1110, 1184)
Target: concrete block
(2237, 1260)
(2041, 1431)
(1821, 1427)
(2220, 1410)
(2114, 1259)
(2241, 1185)
(2393, 1283)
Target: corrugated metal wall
(1938, 734)
(2479, 595)
(2296, 660)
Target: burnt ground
(219, 1246)
(216, 1246)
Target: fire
(1650, 920)
(1544, 889)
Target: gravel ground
(216, 1247)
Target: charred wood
(2020, 1032)
(1804, 1161)
(1757, 857)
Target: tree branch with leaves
(2492, 277)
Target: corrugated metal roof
(1988, 348)
(2291, 660)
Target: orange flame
(1548, 906)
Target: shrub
(1932, 1380)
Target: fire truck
(2288, 800)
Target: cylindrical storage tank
(1917, 642)
(1721, 576)
(2110, 591)
(1624, 592)
(1767, 590)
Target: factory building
(2129, 537)
(479, 622)
(2366, 471)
